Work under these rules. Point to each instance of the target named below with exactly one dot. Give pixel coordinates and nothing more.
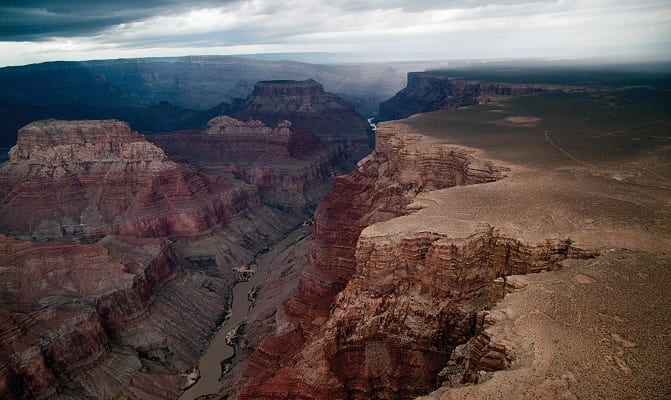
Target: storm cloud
(34, 30)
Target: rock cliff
(368, 320)
(91, 178)
(309, 108)
(291, 169)
(430, 91)
(57, 321)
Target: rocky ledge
(367, 319)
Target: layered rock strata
(430, 91)
(91, 178)
(351, 329)
(57, 320)
(310, 109)
(291, 169)
(128, 314)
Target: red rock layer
(291, 169)
(91, 178)
(414, 298)
(292, 364)
(55, 320)
(306, 105)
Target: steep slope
(410, 257)
(62, 305)
(291, 169)
(309, 108)
(295, 361)
(127, 315)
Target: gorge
(472, 245)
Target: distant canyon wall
(430, 91)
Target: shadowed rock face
(430, 91)
(64, 304)
(291, 169)
(91, 178)
(309, 109)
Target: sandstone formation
(309, 108)
(91, 178)
(317, 351)
(128, 314)
(430, 91)
(291, 169)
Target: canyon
(111, 246)
(507, 248)
(413, 277)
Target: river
(218, 350)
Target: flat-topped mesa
(307, 106)
(64, 146)
(430, 91)
(91, 178)
(309, 87)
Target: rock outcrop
(91, 178)
(57, 321)
(291, 169)
(309, 108)
(430, 91)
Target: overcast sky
(34, 31)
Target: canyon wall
(430, 91)
(291, 169)
(57, 320)
(91, 178)
(96, 300)
(368, 319)
(310, 109)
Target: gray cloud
(32, 30)
(35, 20)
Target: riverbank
(219, 352)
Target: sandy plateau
(596, 328)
